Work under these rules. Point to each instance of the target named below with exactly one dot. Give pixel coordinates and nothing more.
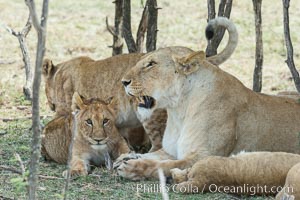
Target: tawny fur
(57, 136)
(210, 112)
(100, 79)
(254, 169)
(292, 184)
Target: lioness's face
(154, 78)
(96, 122)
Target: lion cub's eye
(105, 121)
(89, 122)
(151, 63)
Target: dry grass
(78, 28)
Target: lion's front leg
(157, 155)
(140, 169)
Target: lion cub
(265, 169)
(292, 181)
(95, 139)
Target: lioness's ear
(48, 67)
(77, 102)
(189, 64)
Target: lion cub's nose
(126, 82)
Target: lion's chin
(147, 102)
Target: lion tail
(210, 32)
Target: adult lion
(102, 79)
(210, 112)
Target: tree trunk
(224, 11)
(36, 137)
(117, 39)
(152, 25)
(257, 75)
(289, 45)
(126, 30)
(140, 36)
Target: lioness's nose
(126, 82)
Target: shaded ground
(78, 28)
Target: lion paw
(136, 169)
(125, 157)
(75, 172)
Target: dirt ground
(78, 28)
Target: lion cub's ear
(48, 67)
(77, 102)
(112, 104)
(189, 64)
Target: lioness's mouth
(146, 102)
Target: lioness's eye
(151, 63)
(105, 121)
(89, 122)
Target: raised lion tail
(210, 32)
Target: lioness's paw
(139, 169)
(125, 157)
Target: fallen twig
(16, 171)
(21, 163)
(22, 118)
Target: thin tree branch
(36, 138)
(152, 25)
(67, 178)
(257, 75)
(27, 88)
(126, 29)
(289, 45)
(142, 30)
(110, 28)
(27, 27)
(211, 10)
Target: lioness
(264, 171)
(210, 112)
(102, 79)
(96, 135)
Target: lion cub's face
(156, 78)
(95, 121)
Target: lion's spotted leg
(147, 168)
(79, 167)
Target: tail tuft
(209, 32)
